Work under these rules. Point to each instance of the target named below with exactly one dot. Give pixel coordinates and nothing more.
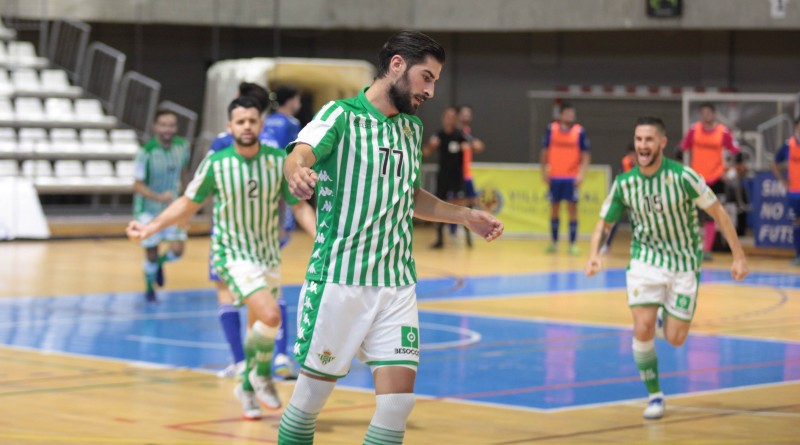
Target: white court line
(170, 342)
(472, 337)
(107, 318)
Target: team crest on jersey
(668, 180)
(326, 357)
(407, 131)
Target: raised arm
(179, 211)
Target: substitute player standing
(158, 168)
(789, 153)
(362, 156)
(660, 196)
(705, 142)
(247, 185)
(564, 158)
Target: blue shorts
(469, 189)
(794, 204)
(563, 190)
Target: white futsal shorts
(171, 233)
(337, 322)
(246, 277)
(652, 286)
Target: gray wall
(494, 71)
(434, 15)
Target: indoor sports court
(109, 340)
(516, 348)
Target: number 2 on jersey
(252, 189)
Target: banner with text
(772, 217)
(516, 194)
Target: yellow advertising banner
(516, 194)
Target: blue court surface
(532, 364)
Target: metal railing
(137, 102)
(68, 42)
(102, 73)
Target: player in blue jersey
(281, 127)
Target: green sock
(644, 353)
(296, 427)
(382, 436)
(148, 283)
(263, 346)
(249, 361)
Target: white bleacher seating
(94, 140)
(6, 87)
(7, 134)
(125, 169)
(37, 168)
(25, 79)
(99, 169)
(33, 140)
(23, 54)
(8, 140)
(64, 140)
(55, 82)
(124, 141)
(6, 109)
(94, 135)
(68, 169)
(90, 110)
(7, 33)
(9, 168)
(59, 109)
(28, 109)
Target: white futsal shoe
(655, 407)
(250, 408)
(265, 390)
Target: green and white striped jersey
(160, 170)
(663, 214)
(247, 193)
(368, 166)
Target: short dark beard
(401, 98)
(240, 142)
(654, 158)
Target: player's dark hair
(653, 121)
(565, 106)
(257, 92)
(285, 92)
(163, 112)
(412, 46)
(243, 102)
(708, 105)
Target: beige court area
(53, 398)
